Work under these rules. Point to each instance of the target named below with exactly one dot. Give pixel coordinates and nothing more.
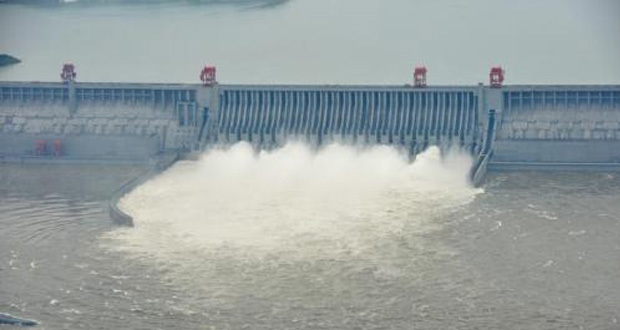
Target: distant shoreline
(8, 60)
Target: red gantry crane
(68, 73)
(496, 77)
(419, 76)
(207, 76)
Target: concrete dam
(504, 127)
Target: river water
(317, 41)
(342, 238)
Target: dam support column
(479, 169)
(208, 101)
(73, 104)
(493, 101)
(488, 99)
(490, 103)
(481, 120)
(68, 75)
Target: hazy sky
(320, 41)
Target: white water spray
(292, 201)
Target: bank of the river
(8, 60)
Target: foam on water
(292, 201)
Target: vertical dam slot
(404, 117)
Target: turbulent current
(294, 202)
(295, 238)
(293, 233)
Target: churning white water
(342, 238)
(293, 201)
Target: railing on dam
(371, 115)
(564, 97)
(151, 94)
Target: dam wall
(110, 120)
(415, 118)
(558, 126)
(129, 121)
(547, 126)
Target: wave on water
(292, 201)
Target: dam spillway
(542, 126)
(355, 114)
